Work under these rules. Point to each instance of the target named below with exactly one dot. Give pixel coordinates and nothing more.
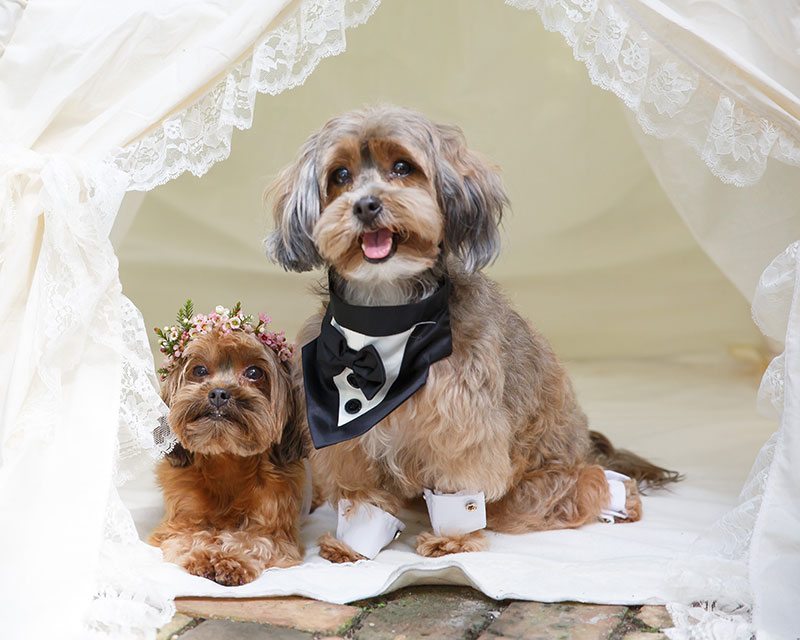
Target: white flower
(235, 322)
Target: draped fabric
(130, 95)
(76, 361)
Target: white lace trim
(668, 95)
(715, 578)
(198, 137)
(143, 431)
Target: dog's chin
(215, 434)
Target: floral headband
(173, 340)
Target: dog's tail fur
(646, 473)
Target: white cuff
(616, 504)
(365, 528)
(455, 514)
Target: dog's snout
(366, 209)
(218, 397)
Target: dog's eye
(200, 371)
(253, 373)
(402, 168)
(341, 176)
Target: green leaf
(186, 312)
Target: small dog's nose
(218, 397)
(367, 208)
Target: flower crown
(173, 340)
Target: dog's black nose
(367, 208)
(218, 397)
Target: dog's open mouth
(378, 245)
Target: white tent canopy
(98, 99)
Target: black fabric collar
(414, 335)
(390, 319)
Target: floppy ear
(472, 198)
(178, 456)
(296, 208)
(291, 446)
(171, 384)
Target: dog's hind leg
(552, 498)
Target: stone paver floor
(415, 613)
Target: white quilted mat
(695, 416)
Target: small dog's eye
(253, 373)
(200, 371)
(401, 168)
(341, 176)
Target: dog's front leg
(367, 522)
(366, 512)
(242, 556)
(457, 519)
(193, 550)
(433, 546)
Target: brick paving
(415, 613)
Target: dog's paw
(230, 571)
(337, 551)
(200, 562)
(433, 546)
(633, 502)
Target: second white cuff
(455, 514)
(616, 504)
(365, 528)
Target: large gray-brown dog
(393, 205)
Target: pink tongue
(377, 244)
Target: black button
(352, 406)
(351, 380)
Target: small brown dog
(400, 211)
(234, 486)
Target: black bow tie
(365, 363)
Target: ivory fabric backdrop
(70, 99)
(594, 253)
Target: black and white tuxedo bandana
(367, 361)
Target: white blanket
(695, 416)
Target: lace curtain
(685, 92)
(677, 84)
(68, 314)
(81, 360)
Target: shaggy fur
(234, 490)
(499, 415)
